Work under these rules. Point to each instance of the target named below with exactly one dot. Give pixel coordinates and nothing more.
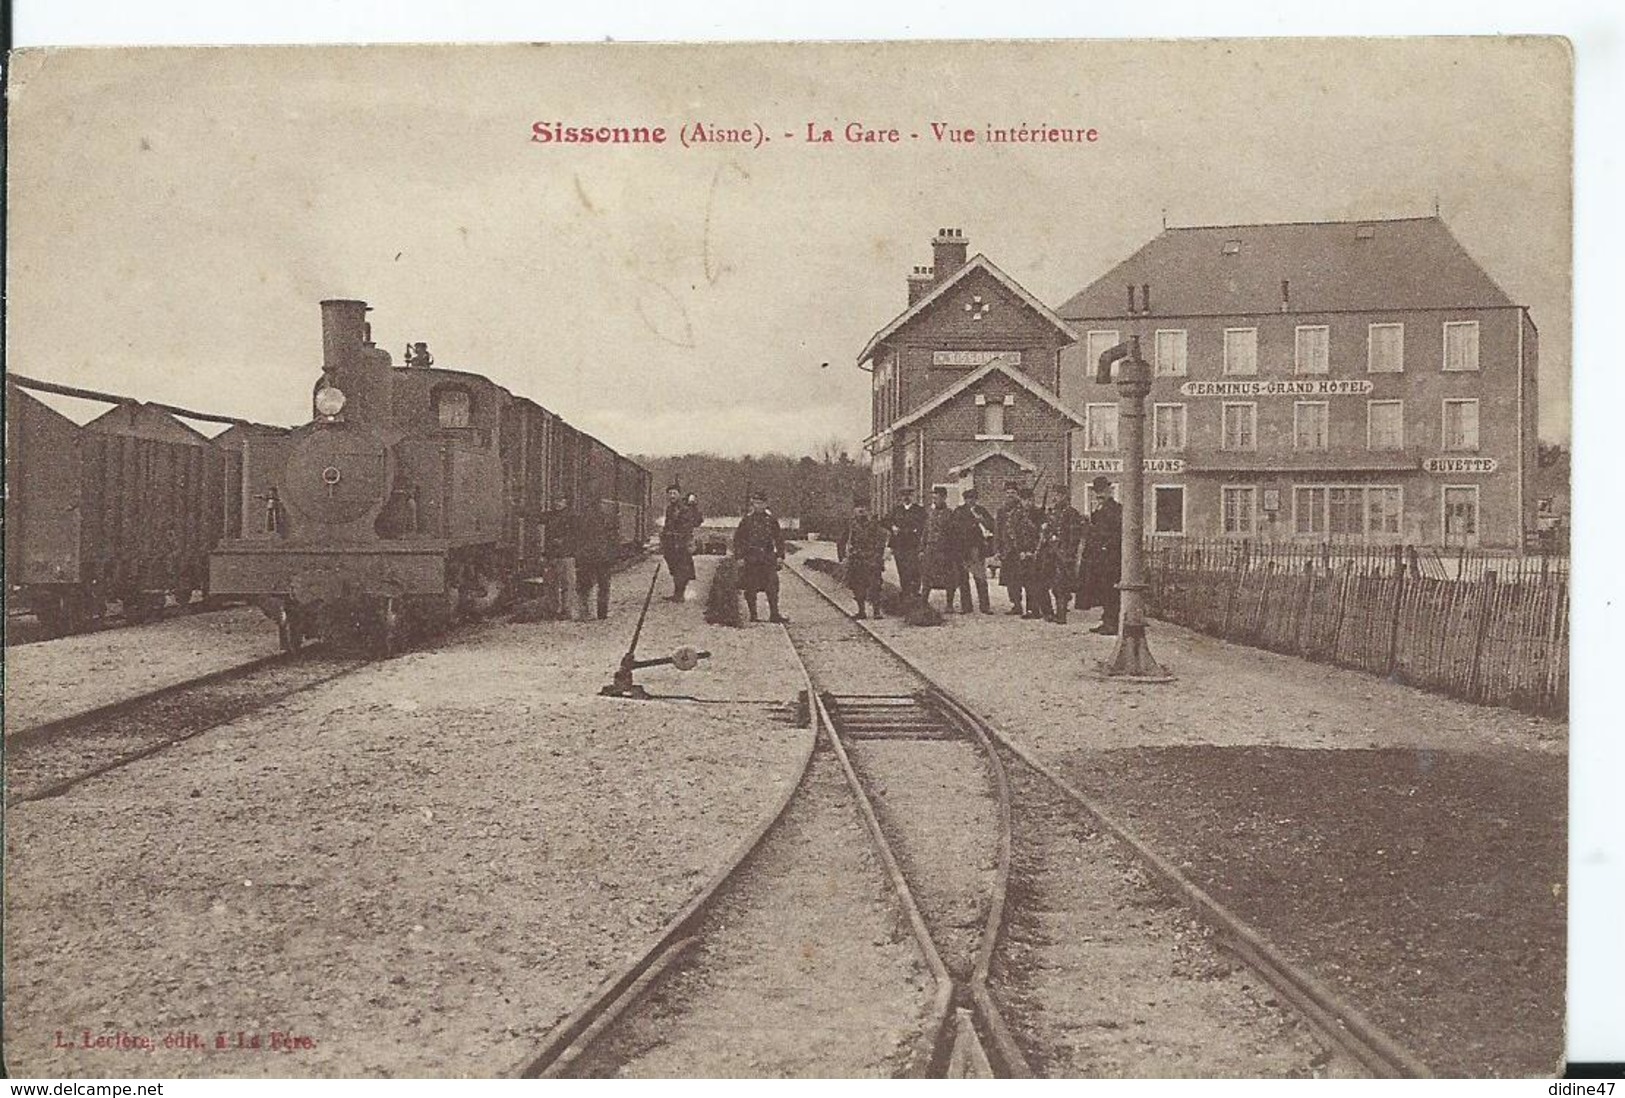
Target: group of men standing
(579, 545)
(758, 545)
(1051, 557)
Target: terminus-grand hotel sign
(1325, 387)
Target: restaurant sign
(1115, 465)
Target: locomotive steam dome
(337, 474)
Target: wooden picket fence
(1488, 640)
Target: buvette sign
(1323, 387)
(1459, 465)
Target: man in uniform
(976, 528)
(558, 547)
(1009, 562)
(907, 525)
(595, 536)
(1103, 556)
(1026, 525)
(677, 539)
(759, 546)
(1058, 547)
(941, 554)
(863, 548)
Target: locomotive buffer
(684, 659)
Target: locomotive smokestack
(344, 333)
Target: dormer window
(453, 407)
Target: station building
(1346, 382)
(965, 384)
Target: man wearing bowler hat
(1103, 553)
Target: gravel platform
(805, 967)
(58, 678)
(1428, 889)
(418, 869)
(1101, 974)
(1038, 681)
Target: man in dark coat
(1009, 557)
(677, 539)
(1026, 532)
(595, 535)
(1103, 556)
(759, 546)
(975, 527)
(941, 553)
(1058, 545)
(863, 548)
(558, 567)
(907, 525)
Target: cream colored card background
(713, 284)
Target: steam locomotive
(414, 496)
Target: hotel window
(1461, 425)
(1241, 350)
(1168, 509)
(1168, 427)
(1383, 509)
(1461, 345)
(1385, 349)
(1313, 355)
(1460, 505)
(1237, 507)
(1385, 425)
(1240, 427)
(1100, 427)
(1310, 424)
(1170, 352)
(1309, 511)
(1097, 343)
(1346, 511)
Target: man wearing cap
(1009, 557)
(595, 537)
(1058, 544)
(558, 553)
(907, 525)
(677, 539)
(976, 529)
(863, 548)
(1103, 556)
(759, 546)
(941, 555)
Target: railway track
(1357, 1045)
(871, 746)
(50, 759)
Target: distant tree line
(817, 490)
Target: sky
(176, 215)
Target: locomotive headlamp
(330, 400)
